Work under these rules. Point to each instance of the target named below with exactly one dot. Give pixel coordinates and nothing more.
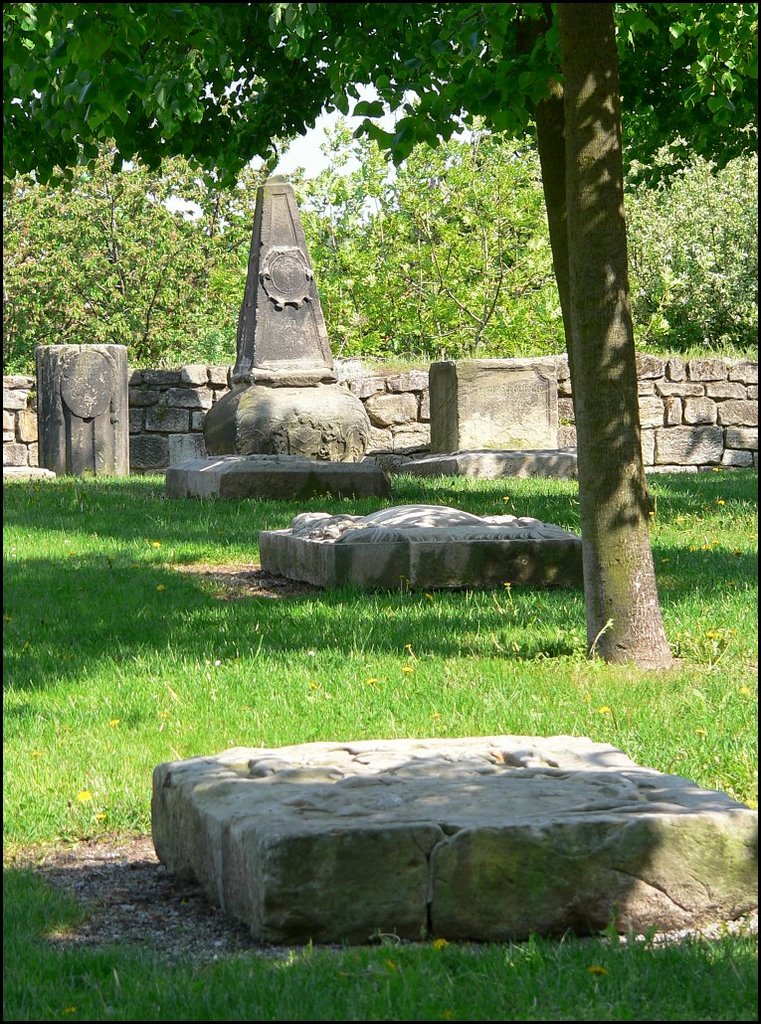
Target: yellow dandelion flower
(744, 690)
(160, 587)
(597, 969)
(101, 817)
(371, 681)
(113, 722)
(155, 543)
(68, 1010)
(164, 715)
(439, 943)
(604, 710)
(84, 796)
(720, 501)
(314, 686)
(38, 753)
(700, 731)
(407, 668)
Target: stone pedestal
(83, 409)
(493, 403)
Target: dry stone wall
(695, 414)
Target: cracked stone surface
(482, 838)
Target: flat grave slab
(274, 476)
(486, 838)
(422, 546)
(556, 463)
(27, 473)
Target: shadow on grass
(536, 980)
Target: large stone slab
(493, 403)
(558, 464)
(27, 473)
(485, 838)
(274, 476)
(422, 546)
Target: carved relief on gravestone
(83, 409)
(285, 399)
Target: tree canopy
(221, 83)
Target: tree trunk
(622, 611)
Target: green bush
(693, 251)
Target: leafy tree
(198, 80)
(107, 261)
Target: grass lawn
(115, 661)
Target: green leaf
(369, 108)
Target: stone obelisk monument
(285, 399)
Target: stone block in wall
(14, 398)
(566, 436)
(9, 435)
(196, 420)
(189, 398)
(746, 372)
(411, 437)
(26, 426)
(135, 378)
(409, 380)
(9, 423)
(753, 392)
(365, 387)
(18, 382)
(380, 440)
(160, 417)
(645, 387)
(649, 367)
(699, 410)
(562, 371)
(651, 412)
(136, 421)
(681, 389)
(726, 389)
(740, 459)
(160, 378)
(689, 446)
(15, 454)
(219, 375)
(738, 414)
(385, 410)
(186, 446)
(149, 452)
(671, 469)
(672, 409)
(194, 373)
(675, 369)
(741, 437)
(143, 396)
(647, 447)
(424, 412)
(34, 454)
(707, 369)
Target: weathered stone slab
(486, 838)
(688, 445)
(27, 473)
(274, 476)
(83, 409)
(493, 403)
(492, 465)
(422, 546)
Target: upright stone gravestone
(83, 409)
(504, 404)
(285, 399)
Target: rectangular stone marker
(493, 403)
(488, 838)
(83, 409)
(559, 464)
